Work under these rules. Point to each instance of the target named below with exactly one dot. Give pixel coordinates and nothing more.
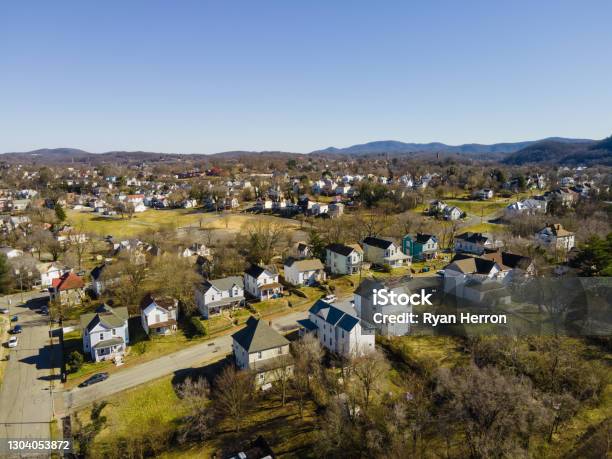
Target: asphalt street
(26, 401)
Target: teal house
(420, 247)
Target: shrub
(386, 268)
(75, 361)
(198, 326)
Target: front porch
(108, 350)
(270, 291)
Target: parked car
(15, 318)
(13, 341)
(98, 377)
(330, 298)
(16, 330)
(4, 310)
(44, 310)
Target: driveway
(193, 356)
(26, 396)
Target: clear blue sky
(200, 76)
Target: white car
(12, 342)
(330, 298)
(4, 311)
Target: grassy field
(484, 228)
(169, 218)
(478, 208)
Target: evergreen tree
(5, 277)
(59, 212)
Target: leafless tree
(234, 394)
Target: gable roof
(224, 283)
(165, 302)
(557, 230)
(305, 265)
(378, 242)
(258, 336)
(475, 238)
(511, 260)
(105, 315)
(423, 238)
(343, 249)
(68, 281)
(256, 271)
(334, 315)
(471, 265)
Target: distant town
(222, 306)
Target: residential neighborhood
(302, 230)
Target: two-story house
(158, 315)
(476, 279)
(262, 283)
(475, 243)
(304, 272)
(343, 259)
(420, 246)
(556, 237)
(215, 295)
(50, 271)
(262, 350)
(68, 289)
(105, 333)
(339, 329)
(382, 252)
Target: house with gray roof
(216, 295)
(261, 349)
(304, 272)
(105, 333)
(339, 329)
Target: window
(101, 336)
(114, 332)
(259, 355)
(280, 350)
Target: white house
(557, 237)
(475, 243)
(259, 348)
(105, 333)
(343, 259)
(159, 315)
(338, 329)
(470, 277)
(484, 194)
(48, 272)
(304, 272)
(384, 252)
(528, 207)
(452, 213)
(365, 307)
(262, 283)
(215, 295)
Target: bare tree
(369, 370)
(234, 394)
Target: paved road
(25, 397)
(193, 356)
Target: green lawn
(174, 218)
(484, 228)
(480, 207)
(153, 410)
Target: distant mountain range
(557, 150)
(564, 153)
(393, 146)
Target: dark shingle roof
(377, 242)
(256, 271)
(422, 238)
(258, 336)
(476, 238)
(342, 249)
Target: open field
(151, 220)
(478, 208)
